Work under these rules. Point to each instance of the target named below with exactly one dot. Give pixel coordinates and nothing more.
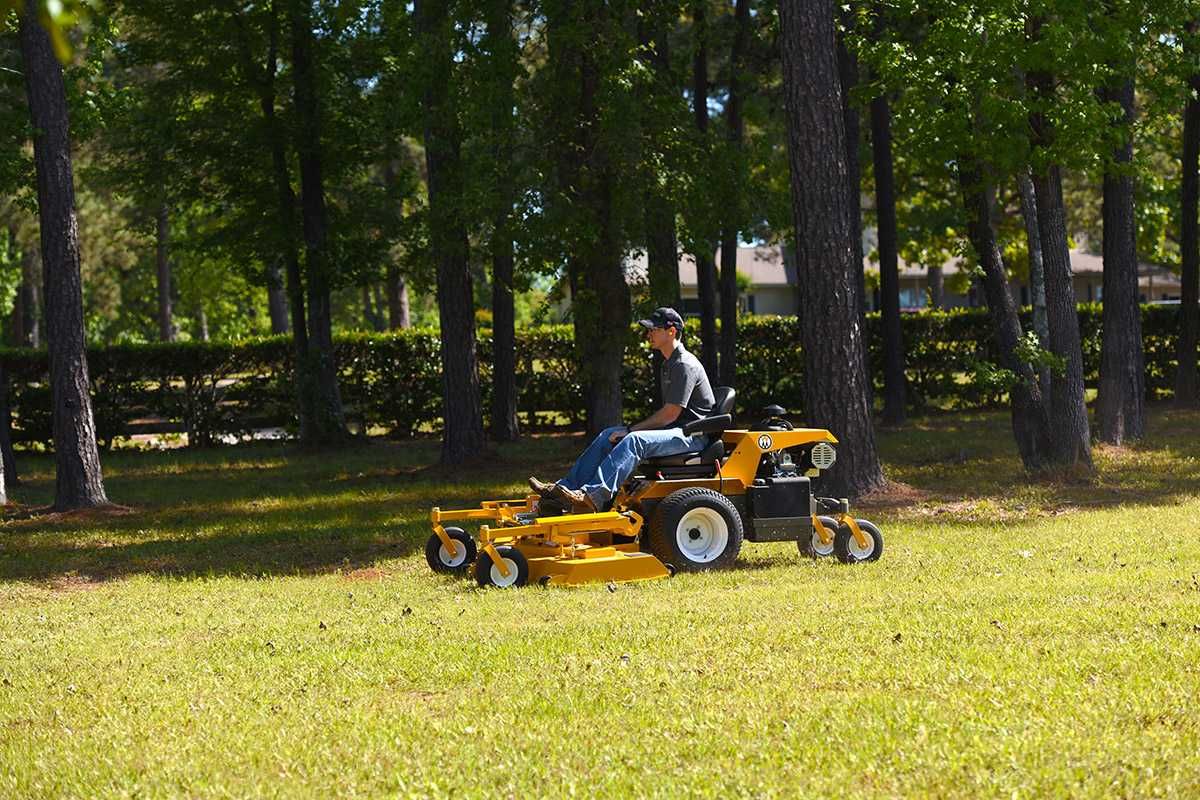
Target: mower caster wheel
(812, 546)
(848, 550)
(488, 574)
(544, 581)
(440, 559)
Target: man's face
(659, 337)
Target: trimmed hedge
(216, 391)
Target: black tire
(714, 538)
(811, 546)
(436, 555)
(487, 575)
(847, 550)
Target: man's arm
(656, 421)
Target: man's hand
(617, 436)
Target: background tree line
(305, 167)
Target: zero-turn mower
(686, 512)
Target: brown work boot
(580, 502)
(541, 487)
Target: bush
(392, 381)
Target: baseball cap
(663, 318)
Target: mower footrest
(617, 568)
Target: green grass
(263, 624)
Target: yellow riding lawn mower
(686, 512)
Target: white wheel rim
(504, 580)
(459, 557)
(702, 535)
(819, 547)
(860, 552)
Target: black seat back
(723, 395)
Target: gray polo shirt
(684, 383)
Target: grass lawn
(263, 624)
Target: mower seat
(686, 464)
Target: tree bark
(397, 294)
(25, 305)
(889, 262)
(729, 237)
(277, 298)
(1120, 405)
(848, 79)
(936, 281)
(1187, 378)
(328, 420)
(1030, 420)
(662, 245)
(1069, 433)
(162, 232)
(502, 47)
(835, 387)
(1037, 270)
(706, 268)
(462, 436)
(78, 479)
(8, 460)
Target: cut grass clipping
(262, 623)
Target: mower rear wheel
(488, 574)
(439, 557)
(812, 546)
(696, 529)
(848, 551)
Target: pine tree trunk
(397, 294)
(462, 437)
(78, 479)
(25, 304)
(162, 232)
(662, 246)
(1187, 378)
(706, 268)
(848, 79)
(889, 262)
(1030, 420)
(1119, 407)
(8, 460)
(503, 51)
(201, 324)
(835, 387)
(1037, 270)
(328, 420)
(1069, 434)
(936, 281)
(729, 238)
(277, 298)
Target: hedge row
(214, 391)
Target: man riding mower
(677, 491)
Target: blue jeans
(603, 467)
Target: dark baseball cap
(663, 318)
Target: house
(771, 271)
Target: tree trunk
(1037, 270)
(162, 232)
(848, 79)
(889, 262)
(706, 268)
(1030, 420)
(201, 323)
(729, 236)
(25, 304)
(503, 51)
(662, 246)
(372, 316)
(277, 298)
(462, 437)
(936, 281)
(1187, 379)
(835, 387)
(328, 420)
(397, 294)
(1069, 434)
(1119, 407)
(78, 479)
